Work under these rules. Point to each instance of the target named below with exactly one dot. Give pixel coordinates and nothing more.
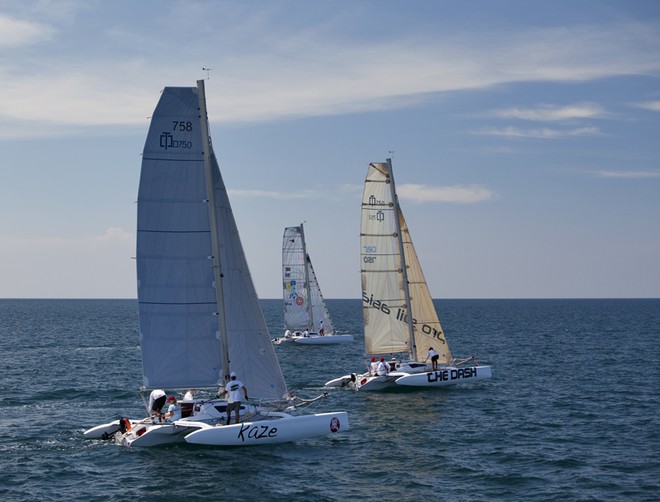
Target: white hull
(324, 340)
(146, 435)
(342, 381)
(314, 339)
(150, 432)
(367, 382)
(104, 431)
(449, 375)
(446, 376)
(276, 428)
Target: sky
(525, 137)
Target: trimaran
(398, 312)
(200, 316)
(307, 320)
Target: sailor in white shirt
(233, 388)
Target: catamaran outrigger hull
(445, 376)
(279, 429)
(104, 431)
(158, 435)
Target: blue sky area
(525, 137)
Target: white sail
(393, 284)
(187, 318)
(320, 312)
(304, 307)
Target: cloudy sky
(525, 137)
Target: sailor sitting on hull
(383, 367)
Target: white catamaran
(399, 316)
(200, 318)
(306, 317)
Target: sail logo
(167, 142)
(377, 216)
(373, 201)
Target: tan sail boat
(400, 320)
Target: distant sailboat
(399, 316)
(200, 317)
(306, 316)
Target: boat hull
(148, 435)
(378, 383)
(104, 431)
(445, 376)
(342, 381)
(324, 340)
(280, 429)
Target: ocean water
(571, 413)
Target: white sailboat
(399, 316)
(306, 316)
(200, 317)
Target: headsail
(180, 326)
(321, 314)
(392, 280)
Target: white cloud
(551, 113)
(544, 133)
(16, 32)
(653, 106)
(274, 72)
(452, 194)
(628, 174)
(271, 194)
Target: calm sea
(571, 413)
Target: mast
(310, 310)
(404, 266)
(215, 243)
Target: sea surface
(572, 411)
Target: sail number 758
(180, 125)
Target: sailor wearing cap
(373, 368)
(173, 410)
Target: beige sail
(426, 325)
(392, 280)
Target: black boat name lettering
(256, 432)
(447, 375)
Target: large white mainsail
(184, 312)
(392, 280)
(304, 307)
